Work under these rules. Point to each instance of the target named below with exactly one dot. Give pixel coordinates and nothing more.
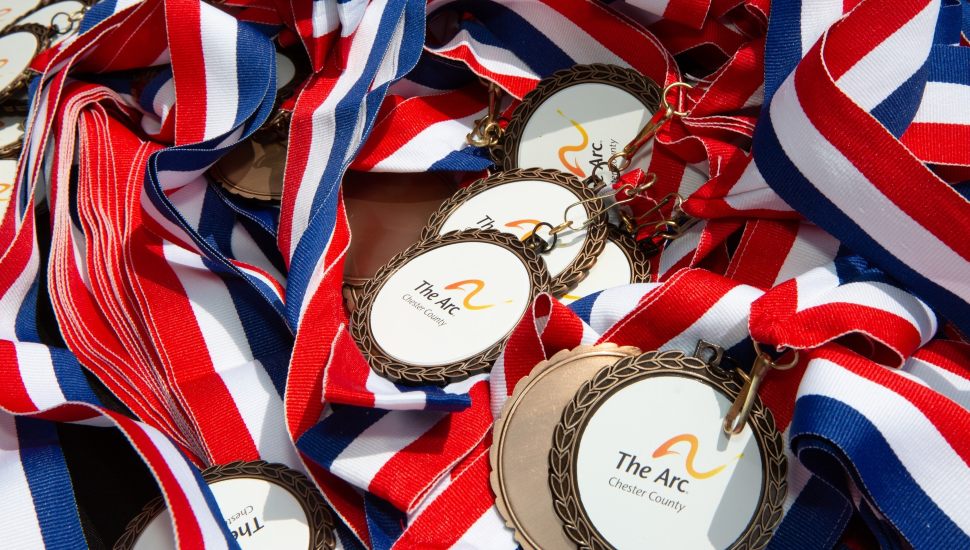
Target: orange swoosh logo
(478, 286)
(690, 439)
(574, 168)
(531, 224)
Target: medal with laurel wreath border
(403, 373)
(319, 517)
(506, 151)
(563, 456)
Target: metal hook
(656, 122)
(487, 131)
(738, 414)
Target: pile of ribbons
(824, 153)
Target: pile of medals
(541, 275)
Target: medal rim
(596, 233)
(16, 22)
(406, 374)
(500, 428)
(644, 88)
(320, 519)
(43, 42)
(563, 479)
(12, 149)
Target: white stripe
(816, 17)
(751, 192)
(897, 421)
(18, 522)
(890, 64)
(13, 297)
(838, 180)
(812, 248)
(324, 17)
(885, 297)
(429, 146)
(37, 372)
(219, 31)
(487, 533)
(569, 37)
(245, 249)
(953, 386)
(726, 320)
(247, 381)
(944, 103)
(210, 526)
(388, 396)
(372, 449)
(492, 58)
(350, 14)
(616, 303)
(656, 7)
(324, 122)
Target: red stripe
(689, 12)
(298, 152)
(185, 355)
(937, 207)
(948, 355)
(188, 533)
(346, 380)
(622, 36)
(862, 30)
(517, 86)
(188, 68)
(762, 251)
(450, 515)
(406, 478)
(414, 116)
(523, 350)
(669, 310)
(949, 418)
(938, 143)
(14, 397)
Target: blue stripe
(25, 327)
(469, 159)
(323, 210)
(949, 64)
(792, 186)
(948, 24)
(147, 98)
(324, 442)
(440, 73)
(897, 111)
(783, 46)
(436, 399)
(98, 13)
(385, 523)
(50, 483)
(348, 540)
(817, 519)
(852, 439)
(584, 306)
(500, 26)
(255, 60)
(74, 385)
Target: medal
(621, 262)
(578, 118)
(644, 457)
(12, 10)
(264, 506)
(11, 131)
(522, 435)
(442, 310)
(18, 46)
(63, 19)
(520, 202)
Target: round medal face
(576, 119)
(265, 506)
(640, 460)
(523, 436)
(63, 18)
(12, 10)
(620, 263)
(18, 47)
(515, 202)
(11, 135)
(8, 171)
(441, 310)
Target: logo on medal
(477, 286)
(581, 146)
(693, 445)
